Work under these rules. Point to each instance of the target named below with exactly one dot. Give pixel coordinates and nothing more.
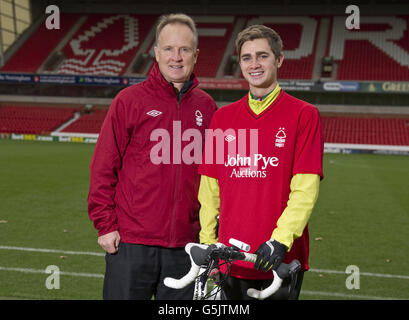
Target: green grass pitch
(361, 219)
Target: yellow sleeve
(209, 211)
(303, 196)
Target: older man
(142, 201)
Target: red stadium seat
(213, 40)
(366, 130)
(39, 46)
(378, 51)
(33, 119)
(88, 123)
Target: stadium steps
(322, 40)
(58, 49)
(88, 123)
(147, 42)
(38, 47)
(230, 47)
(76, 116)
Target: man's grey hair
(180, 18)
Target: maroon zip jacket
(144, 180)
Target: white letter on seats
(380, 39)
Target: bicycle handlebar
(199, 253)
(194, 269)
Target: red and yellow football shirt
(254, 163)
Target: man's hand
(110, 241)
(270, 254)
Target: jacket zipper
(177, 175)
(176, 190)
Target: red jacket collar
(157, 79)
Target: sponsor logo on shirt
(250, 165)
(153, 113)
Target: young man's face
(259, 66)
(176, 54)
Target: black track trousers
(136, 272)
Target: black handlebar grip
(284, 270)
(200, 255)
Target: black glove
(269, 255)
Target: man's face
(176, 54)
(259, 65)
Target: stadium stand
(379, 51)
(316, 47)
(347, 129)
(85, 45)
(88, 122)
(94, 51)
(39, 46)
(32, 119)
(214, 35)
(366, 130)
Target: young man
(265, 188)
(143, 195)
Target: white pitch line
(75, 274)
(53, 251)
(368, 274)
(306, 292)
(101, 254)
(347, 296)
